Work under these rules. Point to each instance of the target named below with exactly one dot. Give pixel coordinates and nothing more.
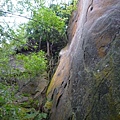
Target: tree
(48, 28)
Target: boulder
(86, 84)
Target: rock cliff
(86, 84)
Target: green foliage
(5, 94)
(15, 112)
(11, 110)
(64, 10)
(34, 63)
(5, 67)
(45, 24)
(11, 65)
(41, 116)
(7, 108)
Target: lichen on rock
(87, 80)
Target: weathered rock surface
(29, 88)
(86, 85)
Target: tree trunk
(86, 84)
(39, 43)
(48, 48)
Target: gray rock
(86, 85)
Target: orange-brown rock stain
(73, 23)
(60, 75)
(99, 9)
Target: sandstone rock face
(86, 85)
